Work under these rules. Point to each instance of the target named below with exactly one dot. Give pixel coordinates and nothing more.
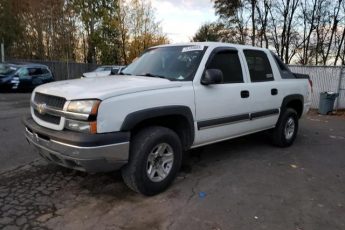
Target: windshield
(6, 70)
(176, 63)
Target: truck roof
(214, 44)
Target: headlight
(15, 80)
(81, 126)
(84, 106)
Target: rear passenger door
(35, 74)
(264, 90)
(46, 75)
(39, 76)
(222, 110)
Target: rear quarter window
(45, 71)
(284, 70)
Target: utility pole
(2, 51)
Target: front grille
(49, 100)
(48, 118)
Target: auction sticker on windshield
(192, 48)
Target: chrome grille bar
(46, 109)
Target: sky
(180, 19)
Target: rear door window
(259, 66)
(45, 71)
(35, 71)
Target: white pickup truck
(171, 99)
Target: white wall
(325, 78)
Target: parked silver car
(103, 71)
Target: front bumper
(80, 151)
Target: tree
(144, 30)
(210, 32)
(287, 8)
(96, 17)
(231, 14)
(340, 47)
(10, 27)
(123, 23)
(300, 31)
(107, 31)
(335, 16)
(38, 29)
(227, 8)
(253, 6)
(263, 13)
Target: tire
(285, 132)
(150, 169)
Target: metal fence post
(341, 76)
(67, 69)
(2, 52)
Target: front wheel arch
(177, 118)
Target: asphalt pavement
(14, 150)
(244, 183)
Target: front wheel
(285, 132)
(155, 159)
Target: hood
(97, 74)
(104, 87)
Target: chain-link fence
(62, 70)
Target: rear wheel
(284, 134)
(155, 159)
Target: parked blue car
(23, 77)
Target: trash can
(327, 102)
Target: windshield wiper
(153, 75)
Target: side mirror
(212, 76)
(114, 71)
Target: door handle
(274, 91)
(244, 93)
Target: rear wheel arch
(294, 101)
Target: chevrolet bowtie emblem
(41, 108)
